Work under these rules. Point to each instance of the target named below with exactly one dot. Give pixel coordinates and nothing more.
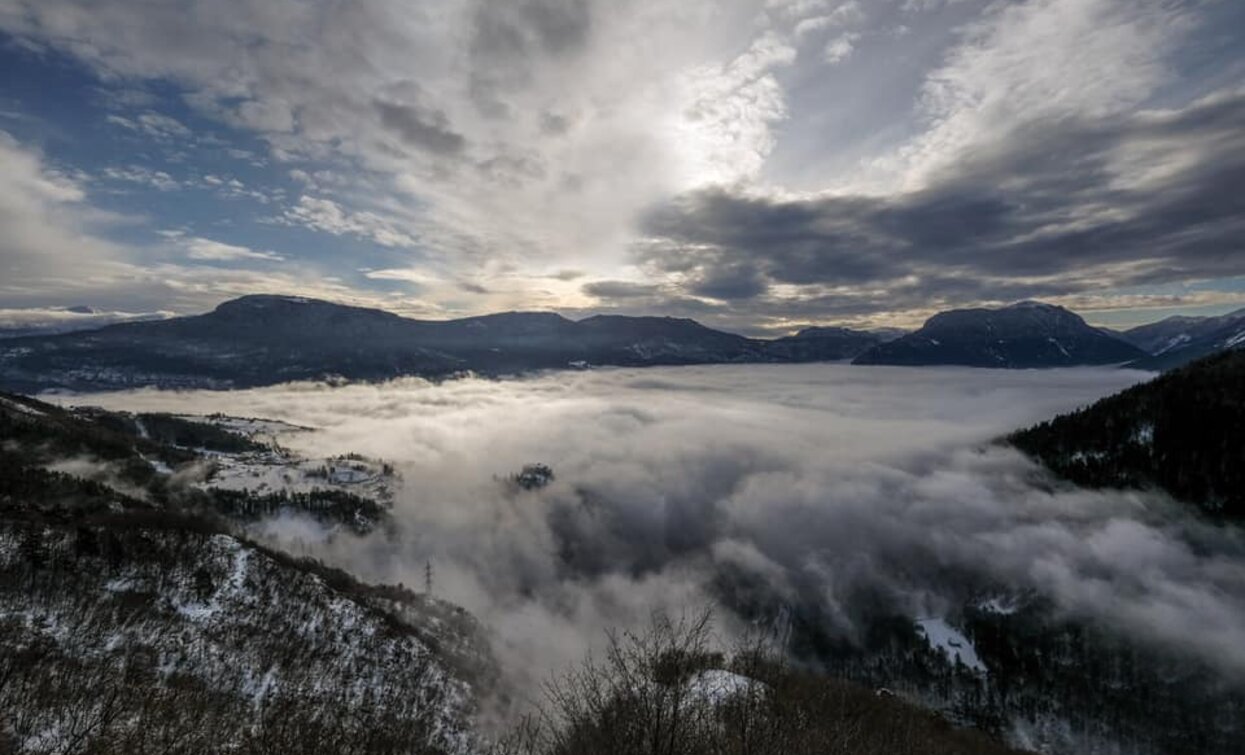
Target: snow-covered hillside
(135, 618)
(141, 635)
(1179, 340)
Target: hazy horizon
(58, 319)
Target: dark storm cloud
(769, 316)
(418, 128)
(559, 25)
(1151, 198)
(619, 289)
(735, 281)
(553, 124)
(509, 37)
(506, 31)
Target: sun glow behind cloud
(489, 147)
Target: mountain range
(1179, 340)
(265, 339)
(262, 339)
(1027, 334)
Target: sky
(758, 165)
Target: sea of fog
(813, 480)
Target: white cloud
(404, 274)
(232, 188)
(156, 179)
(733, 109)
(153, 124)
(47, 237)
(159, 125)
(326, 215)
(122, 121)
(841, 47)
(844, 14)
(216, 251)
(494, 130)
(1037, 62)
(54, 252)
(265, 116)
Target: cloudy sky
(756, 164)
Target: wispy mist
(814, 482)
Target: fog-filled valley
(580, 377)
(863, 519)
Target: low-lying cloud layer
(813, 481)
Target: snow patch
(954, 645)
(1083, 456)
(716, 686)
(1173, 342)
(266, 430)
(159, 466)
(20, 407)
(233, 586)
(1001, 606)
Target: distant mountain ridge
(1176, 341)
(20, 323)
(1027, 334)
(265, 339)
(823, 343)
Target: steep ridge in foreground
(135, 619)
(1183, 432)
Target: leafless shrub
(646, 697)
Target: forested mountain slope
(1183, 432)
